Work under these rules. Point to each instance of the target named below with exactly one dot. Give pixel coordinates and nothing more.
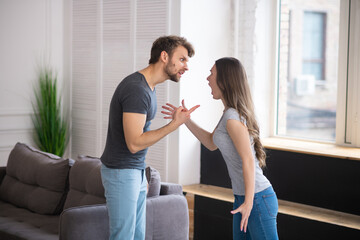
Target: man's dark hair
(168, 44)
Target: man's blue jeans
(125, 192)
(262, 220)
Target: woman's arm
(205, 137)
(239, 134)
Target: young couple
(132, 108)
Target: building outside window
(314, 44)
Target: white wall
(29, 30)
(217, 28)
(207, 25)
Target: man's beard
(172, 76)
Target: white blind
(112, 39)
(117, 52)
(85, 76)
(151, 22)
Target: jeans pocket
(271, 204)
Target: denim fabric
(262, 220)
(125, 192)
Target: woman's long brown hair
(232, 81)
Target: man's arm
(134, 123)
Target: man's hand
(181, 113)
(134, 123)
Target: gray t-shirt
(132, 95)
(233, 161)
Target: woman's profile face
(215, 91)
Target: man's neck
(154, 74)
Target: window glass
(314, 44)
(308, 64)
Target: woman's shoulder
(232, 113)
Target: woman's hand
(171, 110)
(245, 210)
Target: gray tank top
(232, 159)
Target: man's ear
(164, 56)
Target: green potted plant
(51, 127)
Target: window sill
(313, 148)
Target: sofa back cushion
(154, 181)
(35, 180)
(85, 183)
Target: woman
(237, 137)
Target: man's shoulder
(132, 79)
(132, 82)
(133, 85)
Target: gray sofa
(43, 197)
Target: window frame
(347, 132)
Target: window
(318, 55)
(308, 44)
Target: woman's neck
(225, 106)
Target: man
(132, 108)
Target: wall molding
(6, 148)
(15, 112)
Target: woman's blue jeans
(125, 192)
(262, 220)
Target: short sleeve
(231, 113)
(135, 99)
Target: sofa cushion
(154, 181)
(85, 183)
(2, 173)
(20, 223)
(35, 180)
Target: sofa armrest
(167, 217)
(89, 222)
(170, 188)
(2, 173)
